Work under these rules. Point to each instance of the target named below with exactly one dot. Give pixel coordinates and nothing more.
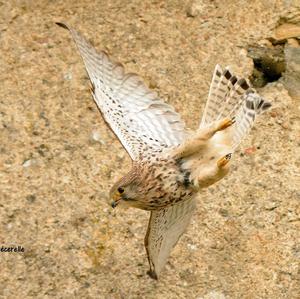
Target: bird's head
(126, 190)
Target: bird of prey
(170, 165)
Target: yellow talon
(227, 122)
(223, 161)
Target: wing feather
(141, 121)
(164, 230)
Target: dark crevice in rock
(269, 64)
(277, 61)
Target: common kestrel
(169, 165)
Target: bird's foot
(224, 160)
(225, 123)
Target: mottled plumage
(170, 166)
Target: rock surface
(286, 31)
(243, 241)
(292, 73)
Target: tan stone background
(58, 160)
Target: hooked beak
(116, 199)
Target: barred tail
(252, 105)
(231, 97)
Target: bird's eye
(121, 190)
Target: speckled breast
(166, 183)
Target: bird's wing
(141, 121)
(231, 97)
(164, 230)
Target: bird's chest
(167, 184)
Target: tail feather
(225, 95)
(234, 99)
(221, 84)
(252, 105)
(231, 97)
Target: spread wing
(142, 122)
(164, 230)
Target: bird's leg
(222, 125)
(212, 174)
(199, 140)
(223, 161)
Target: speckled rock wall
(58, 159)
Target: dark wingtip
(152, 274)
(62, 25)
